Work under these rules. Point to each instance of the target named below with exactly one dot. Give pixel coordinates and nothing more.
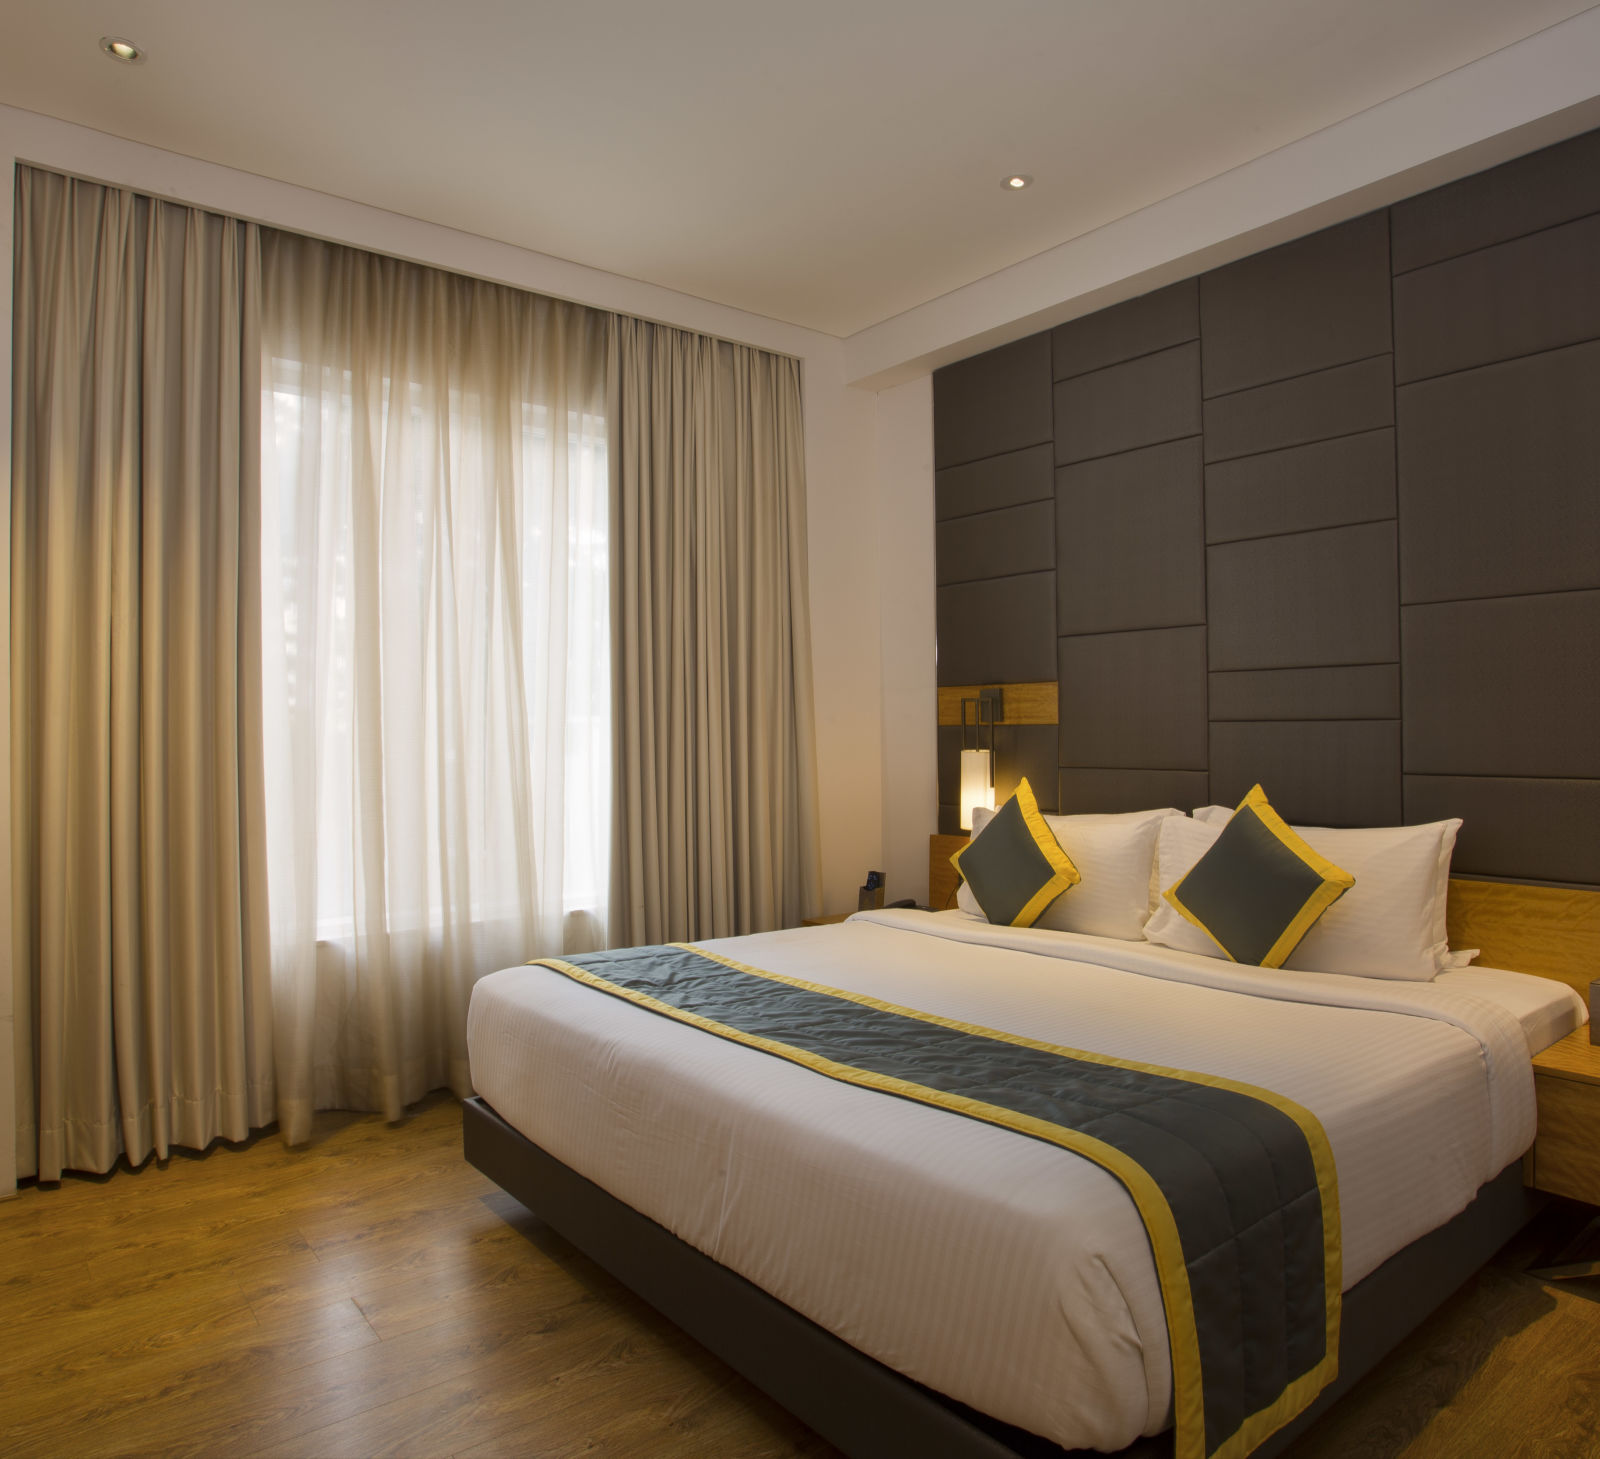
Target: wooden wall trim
(1021, 704)
(1551, 932)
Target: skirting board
(867, 1409)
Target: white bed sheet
(1008, 1273)
(1547, 1010)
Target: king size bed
(915, 1274)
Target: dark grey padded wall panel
(1519, 197)
(1311, 598)
(1137, 327)
(997, 544)
(1242, 620)
(1535, 293)
(1500, 478)
(1327, 484)
(1097, 792)
(1318, 301)
(1019, 749)
(996, 481)
(1364, 691)
(998, 632)
(1154, 398)
(1134, 700)
(1540, 830)
(1128, 546)
(1336, 402)
(1503, 686)
(994, 402)
(1318, 773)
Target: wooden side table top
(1574, 1057)
(827, 921)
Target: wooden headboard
(1552, 932)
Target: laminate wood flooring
(372, 1294)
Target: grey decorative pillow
(1015, 866)
(1259, 888)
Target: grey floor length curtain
(715, 799)
(142, 986)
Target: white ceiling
(828, 162)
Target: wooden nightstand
(1566, 1156)
(827, 921)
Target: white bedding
(1008, 1273)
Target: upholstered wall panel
(1269, 561)
(1534, 293)
(1311, 598)
(1318, 772)
(1504, 686)
(1554, 185)
(996, 481)
(1326, 484)
(1129, 548)
(1124, 331)
(1134, 700)
(998, 632)
(1094, 792)
(997, 544)
(1360, 691)
(1336, 402)
(1153, 398)
(994, 402)
(1322, 300)
(1533, 830)
(1500, 478)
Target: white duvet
(1005, 1272)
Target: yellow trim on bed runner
(1161, 1228)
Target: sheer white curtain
(436, 658)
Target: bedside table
(827, 921)
(1566, 1155)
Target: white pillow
(1391, 924)
(1114, 854)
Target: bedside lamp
(977, 762)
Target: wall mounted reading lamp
(977, 763)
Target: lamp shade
(977, 783)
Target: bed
(903, 1278)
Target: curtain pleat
(140, 950)
(715, 819)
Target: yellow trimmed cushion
(1259, 888)
(1015, 866)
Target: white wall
(844, 647)
(839, 450)
(904, 531)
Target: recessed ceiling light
(1016, 182)
(121, 50)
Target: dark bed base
(870, 1411)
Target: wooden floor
(373, 1294)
